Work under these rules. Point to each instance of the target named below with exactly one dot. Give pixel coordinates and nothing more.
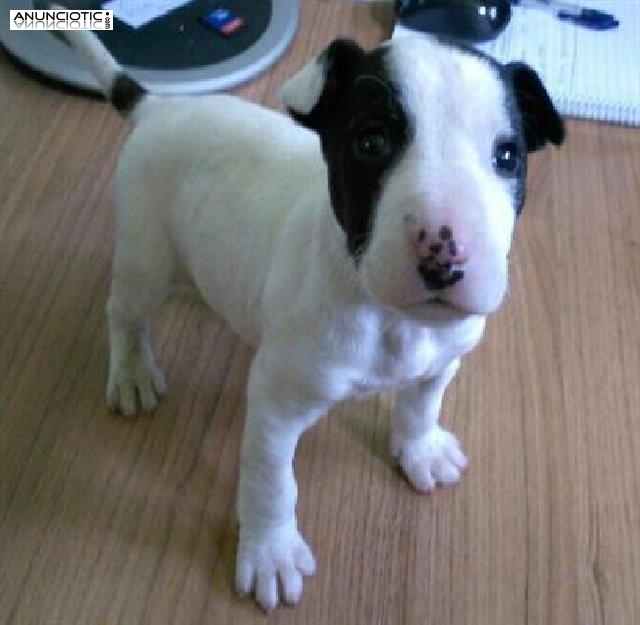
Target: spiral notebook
(590, 74)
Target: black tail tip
(126, 93)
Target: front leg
(427, 454)
(270, 548)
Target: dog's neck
(333, 273)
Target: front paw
(268, 556)
(431, 459)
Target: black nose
(439, 275)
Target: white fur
(233, 199)
(302, 92)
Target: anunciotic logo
(68, 19)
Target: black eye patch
(370, 92)
(363, 131)
(373, 118)
(361, 149)
(375, 137)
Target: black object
(468, 20)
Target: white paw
(135, 383)
(432, 459)
(278, 555)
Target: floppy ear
(540, 120)
(311, 93)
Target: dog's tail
(121, 90)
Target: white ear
(301, 92)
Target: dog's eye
(372, 144)
(507, 157)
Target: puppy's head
(426, 146)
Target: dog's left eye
(507, 157)
(372, 144)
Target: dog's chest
(405, 352)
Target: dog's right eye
(372, 144)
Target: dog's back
(234, 169)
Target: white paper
(137, 13)
(588, 73)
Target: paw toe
(244, 577)
(267, 590)
(446, 473)
(128, 400)
(421, 477)
(291, 581)
(148, 395)
(303, 558)
(456, 457)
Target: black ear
(540, 120)
(311, 94)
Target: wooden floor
(106, 521)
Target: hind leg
(135, 381)
(142, 279)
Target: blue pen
(582, 16)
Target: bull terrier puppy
(358, 244)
